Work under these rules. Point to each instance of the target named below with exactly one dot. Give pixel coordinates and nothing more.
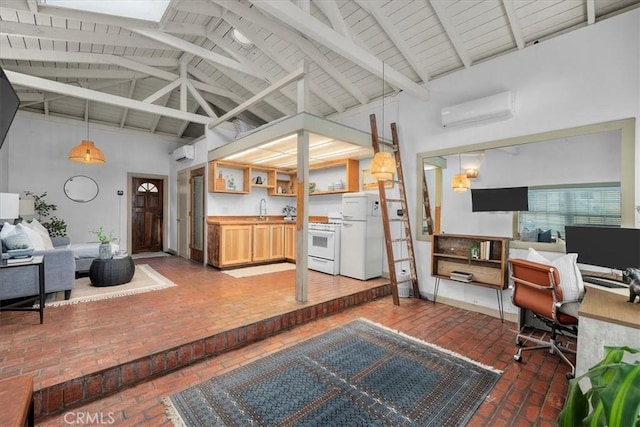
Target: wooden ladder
(404, 240)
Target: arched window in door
(147, 187)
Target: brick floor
(82, 339)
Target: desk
(606, 318)
(36, 261)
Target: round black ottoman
(111, 272)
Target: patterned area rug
(357, 374)
(145, 279)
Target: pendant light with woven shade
(86, 151)
(383, 165)
(460, 183)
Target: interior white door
(183, 214)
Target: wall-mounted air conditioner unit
(494, 107)
(186, 152)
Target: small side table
(36, 261)
(111, 272)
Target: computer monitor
(612, 247)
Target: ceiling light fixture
(471, 173)
(241, 38)
(86, 151)
(460, 183)
(383, 165)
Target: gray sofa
(59, 273)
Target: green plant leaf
(621, 398)
(576, 407)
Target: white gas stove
(324, 244)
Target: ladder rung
(410, 279)
(394, 200)
(402, 260)
(388, 144)
(398, 220)
(402, 239)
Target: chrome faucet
(263, 210)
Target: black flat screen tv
(9, 103)
(611, 247)
(500, 199)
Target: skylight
(149, 10)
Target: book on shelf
(485, 250)
(461, 276)
(24, 260)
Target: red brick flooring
(85, 338)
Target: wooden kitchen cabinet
(229, 244)
(229, 177)
(277, 241)
(261, 242)
(290, 242)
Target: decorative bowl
(20, 253)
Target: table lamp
(9, 206)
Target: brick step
(66, 395)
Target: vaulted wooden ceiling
(172, 77)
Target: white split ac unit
(494, 107)
(186, 152)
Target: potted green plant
(104, 250)
(55, 226)
(614, 397)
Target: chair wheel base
(517, 358)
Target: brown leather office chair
(537, 288)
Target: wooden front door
(147, 215)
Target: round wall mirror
(81, 188)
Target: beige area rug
(145, 279)
(260, 269)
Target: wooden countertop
(610, 307)
(271, 219)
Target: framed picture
(369, 182)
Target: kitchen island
(234, 241)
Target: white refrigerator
(362, 240)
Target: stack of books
(485, 250)
(461, 276)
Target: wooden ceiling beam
(514, 22)
(440, 8)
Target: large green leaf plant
(614, 397)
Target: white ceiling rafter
(276, 57)
(162, 91)
(33, 6)
(332, 12)
(591, 11)
(74, 73)
(440, 8)
(205, 7)
(211, 57)
(80, 36)
(97, 86)
(303, 44)
(288, 13)
(290, 78)
(374, 10)
(89, 94)
(126, 110)
(88, 58)
(514, 22)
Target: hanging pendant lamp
(460, 183)
(86, 151)
(383, 165)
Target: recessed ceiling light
(241, 38)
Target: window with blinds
(551, 208)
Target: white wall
(36, 150)
(587, 76)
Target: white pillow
(13, 238)
(570, 277)
(36, 241)
(43, 232)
